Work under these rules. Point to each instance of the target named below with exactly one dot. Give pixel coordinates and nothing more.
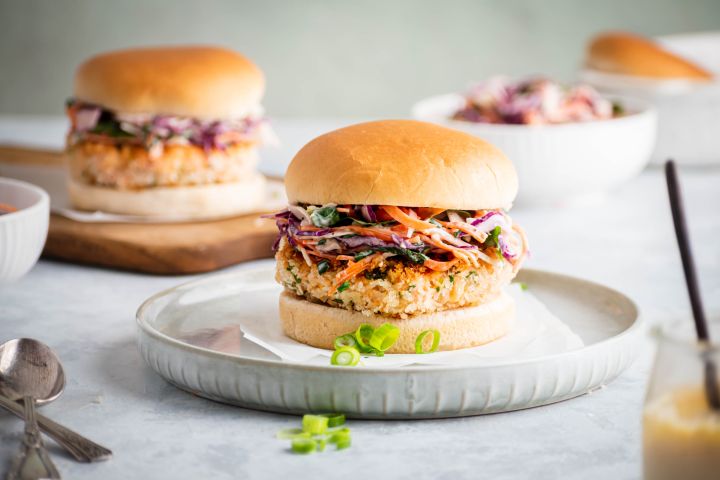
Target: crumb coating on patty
(393, 287)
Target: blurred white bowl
(22, 233)
(688, 111)
(564, 163)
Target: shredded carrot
(382, 234)
(440, 266)
(435, 242)
(310, 228)
(353, 269)
(465, 255)
(466, 228)
(401, 217)
(427, 212)
(402, 230)
(316, 253)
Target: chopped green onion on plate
(316, 432)
(345, 357)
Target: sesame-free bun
(404, 163)
(186, 202)
(191, 81)
(628, 54)
(318, 325)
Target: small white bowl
(22, 233)
(565, 163)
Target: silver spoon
(20, 374)
(30, 371)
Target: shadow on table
(130, 378)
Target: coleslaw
(93, 123)
(534, 101)
(360, 236)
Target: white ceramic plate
(190, 336)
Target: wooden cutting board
(165, 248)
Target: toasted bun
(199, 202)
(200, 82)
(401, 162)
(318, 325)
(628, 54)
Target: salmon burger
(402, 222)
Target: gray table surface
(156, 431)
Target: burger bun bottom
(318, 325)
(186, 202)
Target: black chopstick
(678, 212)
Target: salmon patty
(392, 287)
(131, 166)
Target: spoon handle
(33, 461)
(82, 449)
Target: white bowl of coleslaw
(561, 163)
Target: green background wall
(328, 58)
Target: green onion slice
(291, 434)
(334, 419)
(314, 424)
(384, 337)
(359, 256)
(316, 432)
(343, 444)
(304, 445)
(421, 337)
(347, 340)
(345, 357)
(363, 334)
(339, 437)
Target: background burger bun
(628, 54)
(401, 162)
(191, 81)
(190, 202)
(318, 325)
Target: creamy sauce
(681, 437)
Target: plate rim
(638, 324)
